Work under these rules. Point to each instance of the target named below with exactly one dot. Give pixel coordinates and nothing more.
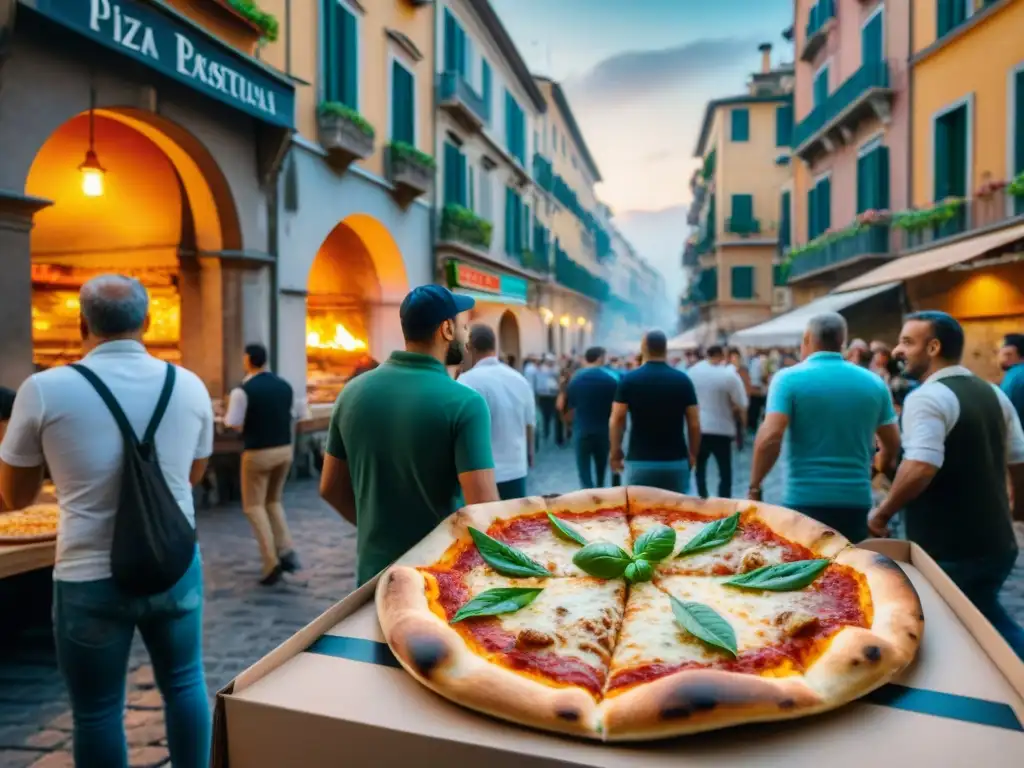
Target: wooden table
(21, 558)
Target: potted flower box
(459, 224)
(344, 133)
(410, 171)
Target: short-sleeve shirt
(657, 396)
(834, 409)
(1013, 388)
(407, 431)
(590, 396)
(58, 418)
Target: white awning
(701, 335)
(787, 330)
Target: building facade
(637, 301)
(851, 139)
(356, 186)
(741, 205)
(138, 138)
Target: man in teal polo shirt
(405, 438)
(832, 411)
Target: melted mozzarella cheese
(580, 617)
(738, 555)
(556, 554)
(650, 634)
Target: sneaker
(273, 577)
(290, 562)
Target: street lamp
(91, 170)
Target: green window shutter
(485, 88)
(451, 173)
(812, 213)
(742, 209)
(451, 49)
(784, 125)
(820, 87)
(471, 190)
(863, 193)
(509, 216)
(785, 221)
(958, 158)
(331, 43)
(742, 279)
(403, 110)
(872, 44)
(940, 183)
(740, 125)
(349, 95)
(712, 219)
(882, 178)
(824, 205)
(463, 197)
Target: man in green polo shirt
(405, 437)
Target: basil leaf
(712, 535)
(655, 543)
(602, 559)
(639, 570)
(506, 560)
(566, 531)
(780, 578)
(495, 601)
(705, 624)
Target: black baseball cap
(427, 306)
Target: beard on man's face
(455, 354)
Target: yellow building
(960, 245)
(742, 199)
(357, 184)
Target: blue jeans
(980, 579)
(667, 475)
(93, 628)
(591, 459)
(512, 489)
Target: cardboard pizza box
(334, 695)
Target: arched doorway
(159, 203)
(508, 338)
(355, 284)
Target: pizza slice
(722, 537)
(551, 532)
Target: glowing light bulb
(92, 182)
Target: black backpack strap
(161, 406)
(111, 402)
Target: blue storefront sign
(168, 43)
(514, 287)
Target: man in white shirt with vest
(60, 420)
(722, 400)
(511, 402)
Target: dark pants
(852, 522)
(512, 489)
(616, 479)
(591, 459)
(667, 475)
(980, 579)
(719, 447)
(548, 414)
(754, 410)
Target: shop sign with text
(179, 50)
(464, 276)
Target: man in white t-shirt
(722, 400)
(60, 419)
(511, 402)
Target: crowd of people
(444, 422)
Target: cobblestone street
(243, 621)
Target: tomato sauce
(526, 529)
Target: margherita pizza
(35, 523)
(634, 613)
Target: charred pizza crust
(856, 661)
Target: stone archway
(163, 213)
(508, 339)
(356, 281)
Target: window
(819, 208)
(742, 210)
(873, 178)
(872, 40)
(514, 228)
(455, 48)
(742, 282)
(951, 138)
(820, 87)
(454, 175)
(485, 193)
(1017, 92)
(950, 14)
(740, 125)
(403, 104)
(471, 189)
(785, 221)
(341, 55)
(784, 125)
(515, 128)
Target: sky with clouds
(638, 74)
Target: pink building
(850, 142)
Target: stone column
(16, 212)
(232, 323)
(202, 345)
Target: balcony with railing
(743, 226)
(462, 102)
(866, 93)
(820, 20)
(578, 278)
(543, 173)
(991, 208)
(840, 249)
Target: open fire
(336, 346)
